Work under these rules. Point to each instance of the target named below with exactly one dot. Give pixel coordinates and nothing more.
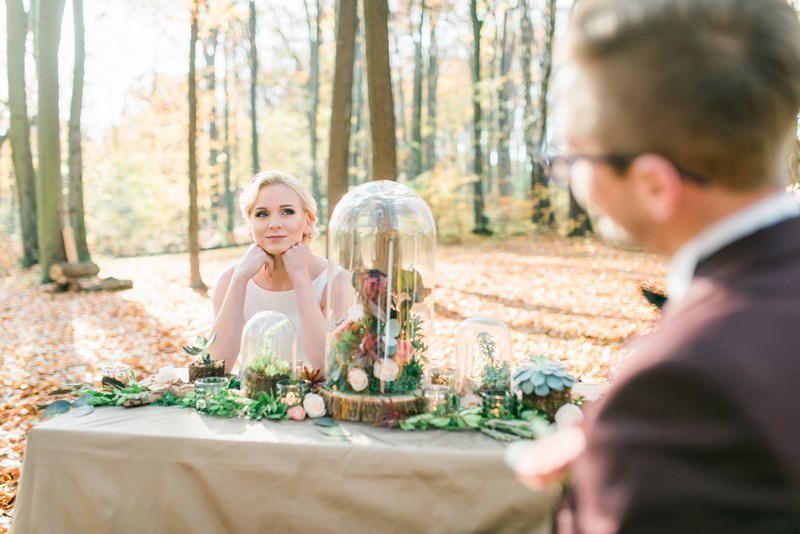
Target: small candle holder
(116, 370)
(436, 396)
(205, 389)
(497, 404)
(291, 392)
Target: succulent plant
(541, 375)
(200, 348)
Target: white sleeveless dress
(257, 299)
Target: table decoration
(203, 366)
(268, 353)
(545, 384)
(383, 233)
(291, 392)
(483, 364)
(116, 371)
(206, 389)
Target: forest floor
(574, 300)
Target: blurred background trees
(283, 85)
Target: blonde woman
(279, 271)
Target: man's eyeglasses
(559, 168)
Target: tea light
(205, 389)
(291, 392)
(436, 396)
(116, 370)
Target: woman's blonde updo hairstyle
(247, 198)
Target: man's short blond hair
(713, 85)
(247, 198)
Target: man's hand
(546, 461)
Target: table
(155, 469)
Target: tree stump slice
(369, 408)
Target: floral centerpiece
(379, 349)
(384, 235)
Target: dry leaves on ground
(574, 300)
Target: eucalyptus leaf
(393, 327)
(82, 401)
(325, 421)
(82, 410)
(57, 408)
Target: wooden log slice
(369, 408)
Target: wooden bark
(416, 108)
(313, 23)
(75, 200)
(339, 147)
(432, 79)
(195, 280)
(367, 408)
(49, 195)
(481, 221)
(540, 183)
(61, 273)
(19, 130)
(379, 89)
(253, 82)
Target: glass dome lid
(384, 235)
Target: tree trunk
(359, 151)
(504, 183)
(540, 183)
(313, 93)
(339, 147)
(416, 108)
(76, 214)
(210, 73)
(481, 221)
(19, 130)
(253, 81)
(195, 281)
(379, 89)
(432, 79)
(49, 195)
(229, 193)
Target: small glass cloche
(268, 352)
(384, 235)
(483, 356)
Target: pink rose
(297, 413)
(404, 352)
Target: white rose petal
(355, 313)
(358, 379)
(567, 416)
(386, 370)
(314, 405)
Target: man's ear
(658, 186)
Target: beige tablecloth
(155, 469)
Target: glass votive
(205, 389)
(436, 396)
(116, 370)
(497, 404)
(291, 392)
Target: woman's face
(278, 220)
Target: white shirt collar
(766, 212)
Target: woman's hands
(253, 261)
(295, 260)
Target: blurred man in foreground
(677, 118)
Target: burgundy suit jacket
(700, 431)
